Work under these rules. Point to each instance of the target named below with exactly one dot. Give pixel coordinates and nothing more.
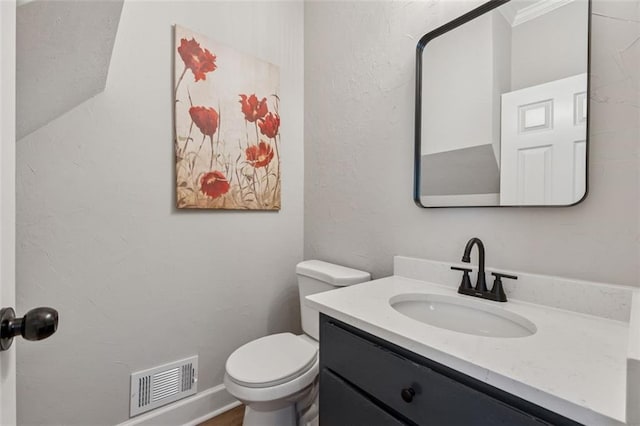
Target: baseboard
(189, 411)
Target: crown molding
(516, 17)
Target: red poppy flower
(269, 125)
(214, 184)
(199, 61)
(259, 155)
(252, 109)
(205, 118)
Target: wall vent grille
(157, 386)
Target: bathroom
(138, 283)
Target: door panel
(534, 175)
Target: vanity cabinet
(365, 380)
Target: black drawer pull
(407, 394)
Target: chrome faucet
(480, 290)
(481, 283)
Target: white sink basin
(462, 315)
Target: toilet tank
(316, 276)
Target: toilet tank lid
(330, 273)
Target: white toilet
(276, 376)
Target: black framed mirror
(502, 114)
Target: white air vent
(161, 385)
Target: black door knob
(407, 394)
(37, 324)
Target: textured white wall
(359, 104)
(138, 283)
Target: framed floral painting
(227, 127)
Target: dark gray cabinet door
(348, 407)
(416, 389)
(437, 399)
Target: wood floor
(230, 418)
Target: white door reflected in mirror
(543, 143)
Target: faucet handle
(500, 275)
(465, 284)
(497, 292)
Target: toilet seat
(271, 360)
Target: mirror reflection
(502, 107)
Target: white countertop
(575, 364)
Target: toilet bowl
(270, 375)
(276, 376)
